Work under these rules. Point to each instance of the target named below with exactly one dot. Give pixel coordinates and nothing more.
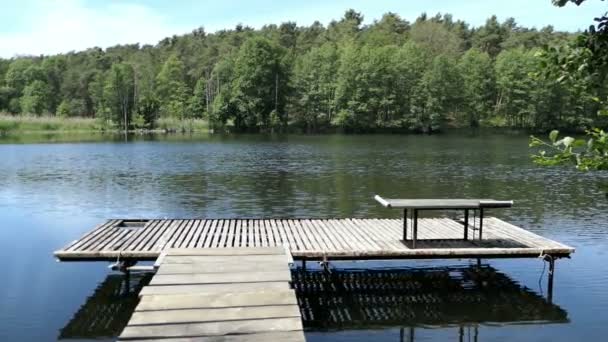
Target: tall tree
(479, 86)
(36, 98)
(171, 89)
(119, 94)
(259, 85)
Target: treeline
(389, 75)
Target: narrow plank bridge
(228, 294)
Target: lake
(52, 191)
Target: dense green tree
(315, 87)
(171, 89)
(259, 85)
(361, 77)
(199, 102)
(437, 96)
(119, 95)
(36, 98)
(515, 86)
(479, 86)
(490, 37)
(436, 38)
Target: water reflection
(107, 311)
(429, 297)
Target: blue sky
(56, 26)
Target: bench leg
(415, 233)
(404, 225)
(480, 222)
(466, 224)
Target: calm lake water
(51, 192)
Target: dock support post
(551, 261)
(466, 224)
(127, 282)
(478, 263)
(325, 264)
(480, 222)
(404, 225)
(415, 232)
(304, 264)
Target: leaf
(579, 143)
(553, 135)
(567, 141)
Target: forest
(390, 75)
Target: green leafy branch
(590, 154)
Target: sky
(34, 27)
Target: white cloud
(62, 26)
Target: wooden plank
(279, 234)
(269, 233)
(211, 233)
(220, 259)
(245, 238)
(202, 240)
(225, 251)
(213, 328)
(357, 237)
(209, 288)
(161, 236)
(343, 239)
(283, 336)
(237, 233)
(214, 267)
(168, 238)
(218, 233)
(196, 233)
(187, 233)
(310, 225)
(292, 242)
(179, 235)
(217, 300)
(225, 232)
(222, 278)
(138, 235)
(78, 244)
(297, 230)
(214, 314)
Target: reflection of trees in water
(107, 311)
(347, 299)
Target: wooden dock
(228, 294)
(313, 239)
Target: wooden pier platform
(228, 294)
(313, 239)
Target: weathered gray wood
(208, 288)
(214, 314)
(442, 203)
(283, 336)
(216, 300)
(252, 276)
(221, 267)
(218, 258)
(225, 251)
(311, 238)
(213, 328)
(191, 304)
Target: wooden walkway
(228, 294)
(311, 239)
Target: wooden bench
(441, 204)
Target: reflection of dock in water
(107, 310)
(434, 297)
(421, 297)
